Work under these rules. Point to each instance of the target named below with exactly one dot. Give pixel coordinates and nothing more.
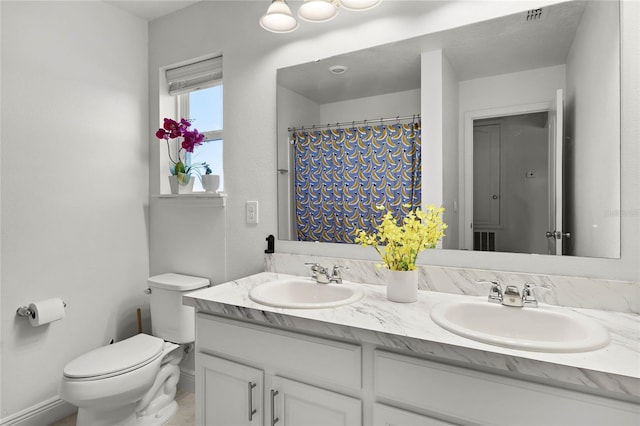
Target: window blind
(198, 75)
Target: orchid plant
(402, 241)
(172, 129)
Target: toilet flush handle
(147, 291)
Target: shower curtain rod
(353, 123)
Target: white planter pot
(402, 286)
(176, 188)
(210, 183)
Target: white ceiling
(504, 45)
(150, 9)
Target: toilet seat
(115, 359)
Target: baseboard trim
(54, 409)
(187, 380)
(43, 413)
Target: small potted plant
(210, 182)
(181, 179)
(398, 244)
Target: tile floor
(184, 417)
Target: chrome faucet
(511, 295)
(321, 274)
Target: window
(198, 91)
(204, 108)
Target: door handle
(494, 197)
(558, 235)
(252, 410)
(274, 419)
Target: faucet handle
(495, 291)
(336, 275)
(528, 296)
(315, 268)
(318, 272)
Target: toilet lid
(116, 358)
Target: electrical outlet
(252, 212)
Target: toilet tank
(170, 319)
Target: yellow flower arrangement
(419, 230)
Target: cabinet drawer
(320, 360)
(484, 398)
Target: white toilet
(133, 382)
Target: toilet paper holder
(24, 311)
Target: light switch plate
(252, 212)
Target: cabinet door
(228, 393)
(384, 415)
(297, 404)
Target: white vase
(402, 286)
(210, 183)
(176, 188)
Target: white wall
(593, 73)
(251, 57)
(439, 103)
(74, 185)
(406, 103)
(518, 88)
(450, 153)
(431, 81)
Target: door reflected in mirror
(522, 170)
(511, 193)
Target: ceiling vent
(534, 14)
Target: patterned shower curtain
(341, 175)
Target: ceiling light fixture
(279, 18)
(318, 10)
(358, 5)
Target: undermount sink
(305, 293)
(535, 329)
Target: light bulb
(278, 18)
(357, 5)
(318, 10)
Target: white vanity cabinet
(249, 374)
(252, 375)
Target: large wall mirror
(527, 143)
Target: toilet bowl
(134, 381)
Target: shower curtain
(341, 175)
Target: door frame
(466, 169)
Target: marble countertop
(612, 370)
